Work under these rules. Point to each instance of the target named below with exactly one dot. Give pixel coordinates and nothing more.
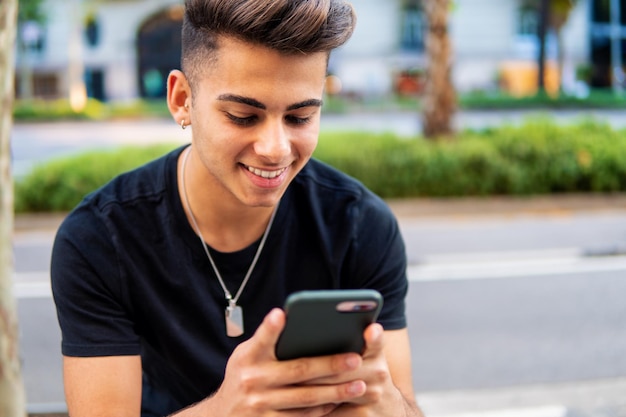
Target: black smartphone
(326, 322)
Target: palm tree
(30, 15)
(553, 14)
(439, 103)
(11, 386)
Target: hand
(381, 397)
(256, 384)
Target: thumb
(269, 331)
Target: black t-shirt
(130, 276)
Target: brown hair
(288, 26)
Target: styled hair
(287, 26)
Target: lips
(264, 173)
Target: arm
(398, 354)
(103, 386)
(256, 383)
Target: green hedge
(596, 99)
(43, 110)
(54, 110)
(60, 184)
(538, 157)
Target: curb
(49, 415)
(415, 208)
(543, 205)
(40, 222)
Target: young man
(168, 280)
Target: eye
(295, 120)
(241, 121)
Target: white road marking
(546, 411)
(511, 268)
(441, 268)
(32, 285)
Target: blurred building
(124, 49)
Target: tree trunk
(544, 19)
(12, 398)
(560, 63)
(439, 103)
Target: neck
(224, 224)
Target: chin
(262, 202)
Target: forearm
(411, 409)
(409, 406)
(204, 408)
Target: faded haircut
(287, 26)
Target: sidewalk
(583, 398)
(546, 205)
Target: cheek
(209, 131)
(307, 142)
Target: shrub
(62, 183)
(57, 109)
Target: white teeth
(266, 174)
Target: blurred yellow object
(78, 97)
(333, 85)
(519, 78)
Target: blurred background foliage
(537, 157)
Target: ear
(179, 97)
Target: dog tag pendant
(234, 320)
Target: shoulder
(125, 198)
(144, 182)
(319, 174)
(335, 192)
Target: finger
(374, 340)
(318, 411)
(305, 397)
(332, 369)
(341, 369)
(350, 410)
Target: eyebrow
(313, 102)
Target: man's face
(256, 116)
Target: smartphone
(326, 322)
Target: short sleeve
(92, 314)
(380, 259)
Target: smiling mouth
(265, 174)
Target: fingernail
(378, 331)
(274, 316)
(353, 361)
(356, 388)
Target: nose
(272, 142)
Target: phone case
(326, 322)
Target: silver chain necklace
(233, 313)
